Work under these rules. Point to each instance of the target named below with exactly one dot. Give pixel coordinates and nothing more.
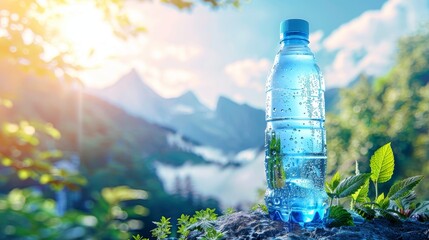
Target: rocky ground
(257, 225)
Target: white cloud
(316, 40)
(249, 73)
(168, 82)
(231, 185)
(368, 42)
(180, 53)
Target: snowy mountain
(231, 127)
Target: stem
(330, 202)
(376, 191)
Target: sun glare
(88, 37)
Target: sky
(229, 52)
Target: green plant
(162, 229)
(398, 203)
(229, 211)
(184, 223)
(138, 237)
(337, 189)
(202, 221)
(212, 234)
(259, 206)
(382, 164)
(276, 172)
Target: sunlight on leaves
(382, 164)
(122, 193)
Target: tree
(28, 32)
(394, 108)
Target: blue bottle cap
(294, 27)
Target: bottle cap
(294, 27)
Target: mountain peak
(133, 82)
(131, 77)
(189, 99)
(223, 102)
(189, 96)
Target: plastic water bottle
(295, 141)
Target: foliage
(403, 188)
(259, 206)
(26, 214)
(229, 211)
(163, 228)
(184, 224)
(36, 68)
(398, 203)
(202, 221)
(212, 234)
(382, 165)
(392, 108)
(338, 216)
(188, 4)
(275, 170)
(138, 237)
(43, 53)
(21, 154)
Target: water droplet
(274, 109)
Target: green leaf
(403, 188)
(331, 185)
(422, 207)
(409, 201)
(383, 202)
(212, 234)
(350, 185)
(229, 211)
(259, 206)
(361, 195)
(364, 211)
(335, 180)
(138, 237)
(162, 229)
(338, 216)
(183, 225)
(379, 198)
(382, 164)
(421, 212)
(328, 189)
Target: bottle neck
(295, 41)
(295, 44)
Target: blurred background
(114, 113)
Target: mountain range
(230, 127)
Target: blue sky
(230, 51)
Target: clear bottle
(295, 137)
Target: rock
(257, 225)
